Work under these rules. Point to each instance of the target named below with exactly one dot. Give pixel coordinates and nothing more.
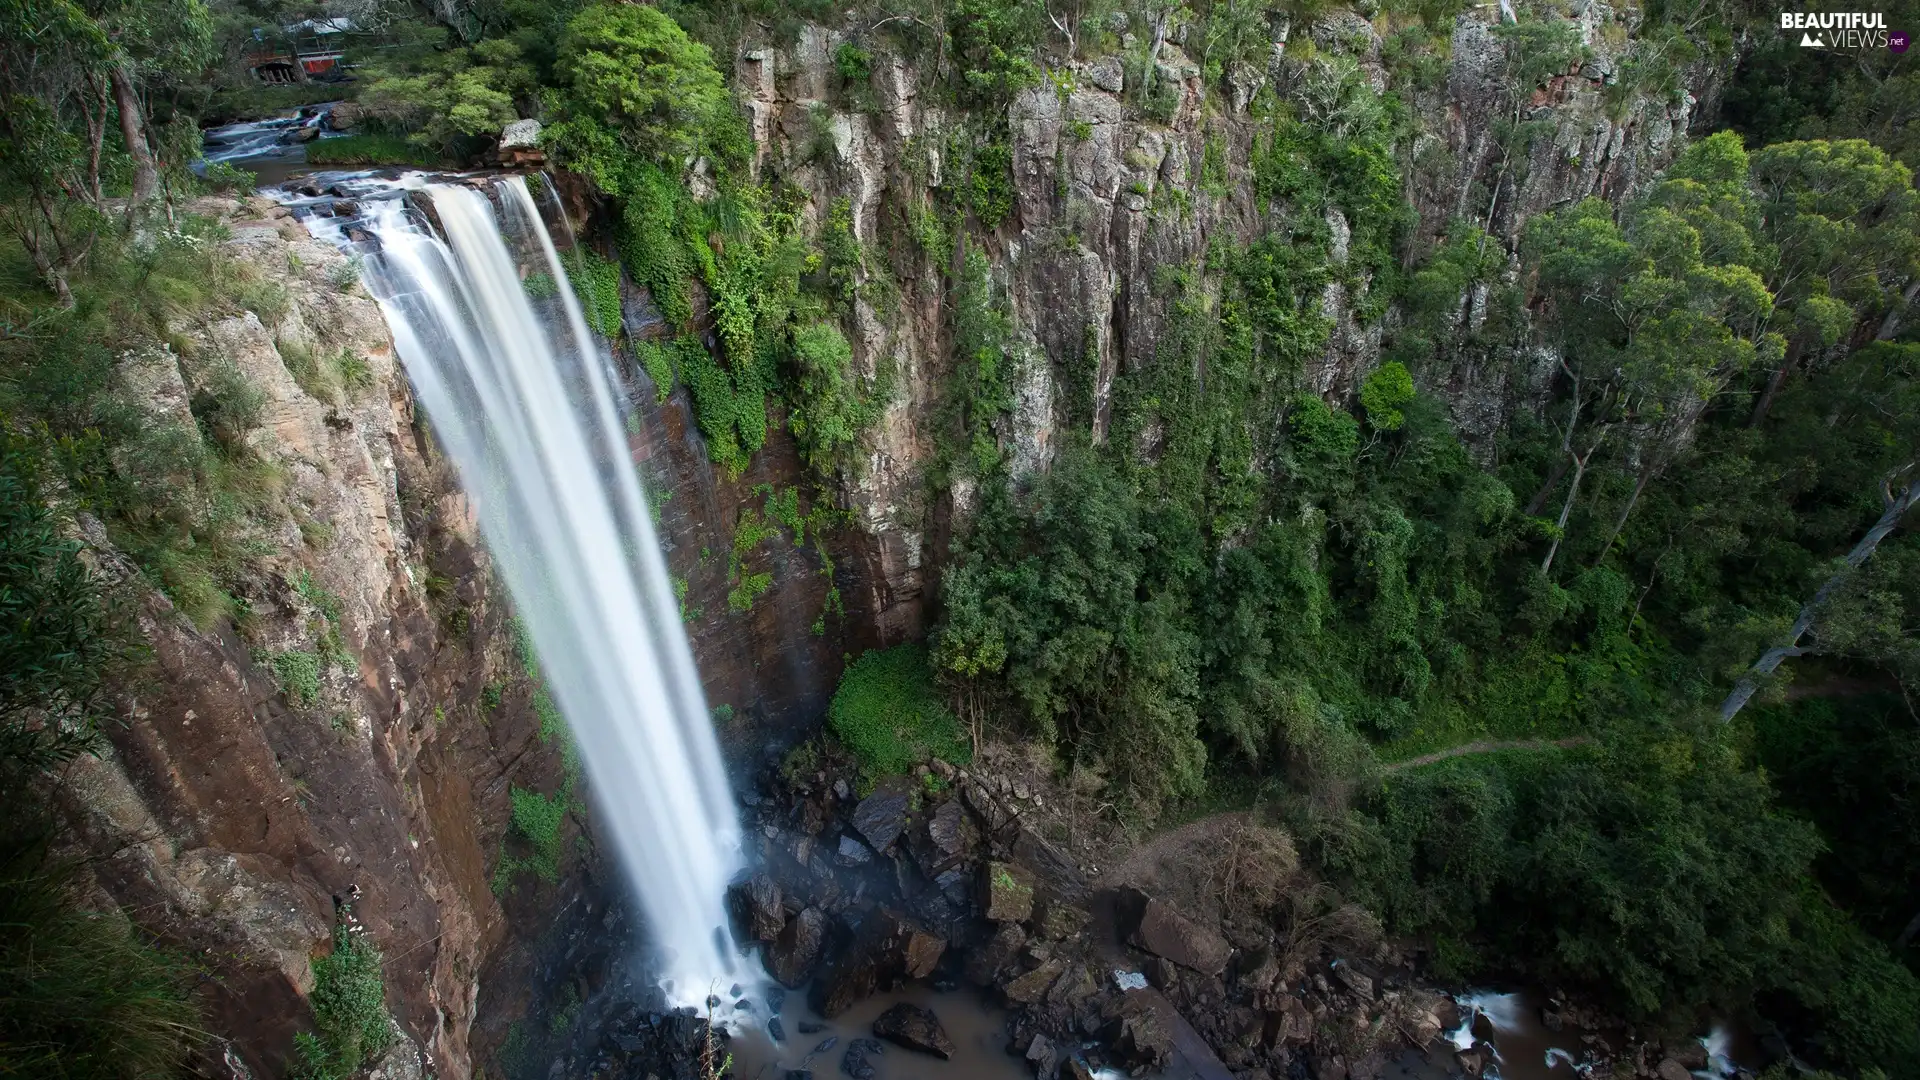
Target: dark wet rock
(1034, 985)
(1356, 981)
(1668, 1069)
(1045, 1058)
(827, 1044)
(799, 1074)
(1143, 1038)
(668, 1045)
(1161, 972)
(881, 816)
(1165, 932)
(854, 1061)
(953, 885)
(344, 208)
(1078, 1069)
(776, 1030)
(984, 804)
(1004, 895)
(1053, 870)
(948, 828)
(852, 852)
(986, 962)
(713, 1001)
(887, 949)
(1691, 1054)
(1289, 1025)
(792, 956)
(811, 1027)
(776, 997)
(1062, 920)
(915, 1028)
(759, 908)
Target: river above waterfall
(274, 149)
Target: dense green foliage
(350, 1019)
(890, 716)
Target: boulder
(1357, 982)
(920, 953)
(758, 906)
(915, 1028)
(1062, 920)
(1144, 1040)
(1165, 932)
(1289, 1025)
(521, 134)
(1034, 985)
(852, 852)
(987, 961)
(882, 816)
(854, 1061)
(1691, 1054)
(1005, 896)
(345, 116)
(1473, 1061)
(1043, 1055)
(948, 828)
(791, 958)
(1669, 1069)
(887, 949)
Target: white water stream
(524, 406)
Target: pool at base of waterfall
(820, 1047)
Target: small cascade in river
(520, 397)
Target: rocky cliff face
(1106, 198)
(332, 746)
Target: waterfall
(526, 408)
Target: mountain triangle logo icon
(1811, 41)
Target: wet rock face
(794, 953)
(679, 1045)
(914, 1028)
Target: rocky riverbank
(1212, 956)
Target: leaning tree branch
(1897, 506)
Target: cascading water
(525, 407)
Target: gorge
(1182, 537)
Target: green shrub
(298, 673)
(82, 995)
(60, 640)
(889, 714)
(537, 818)
(350, 1017)
(1385, 393)
(229, 408)
(596, 281)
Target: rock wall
(1105, 197)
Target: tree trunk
(1890, 325)
(1566, 508)
(1639, 486)
(1743, 691)
(1539, 500)
(146, 178)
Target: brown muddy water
(978, 1030)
